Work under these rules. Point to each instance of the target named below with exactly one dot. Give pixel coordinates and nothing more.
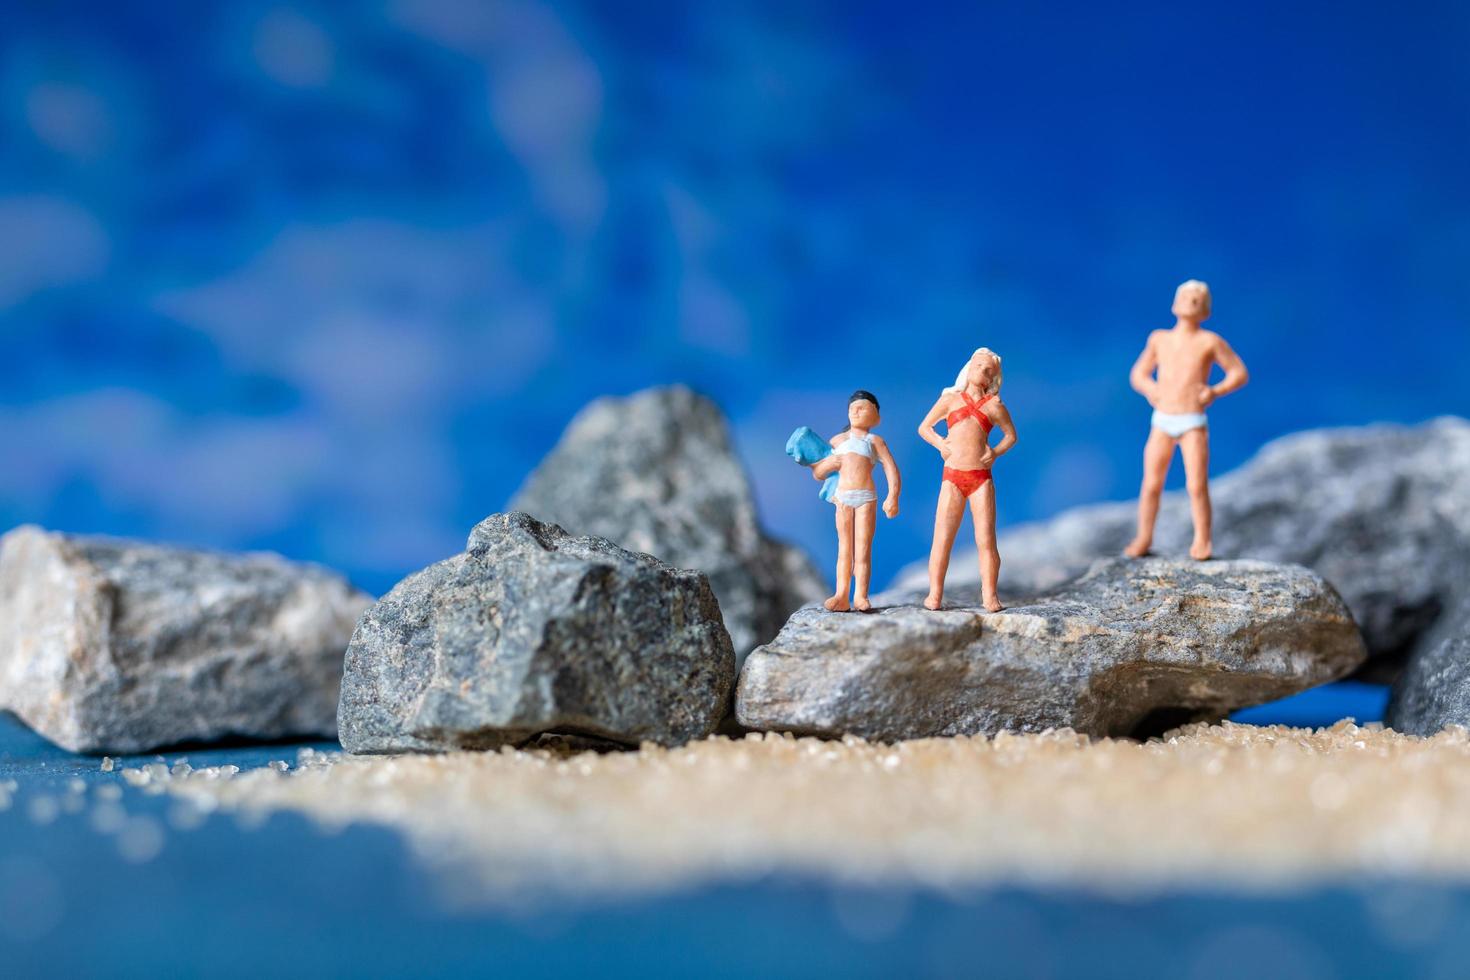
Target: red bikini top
(971, 410)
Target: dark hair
(861, 395)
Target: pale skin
(855, 524)
(1173, 373)
(966, 448)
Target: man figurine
(1180, 394)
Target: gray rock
(656, 472)
(1130, 648)
(1434, 689)
(117, 646)
(532, 630)
(1382, 512)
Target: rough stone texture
(117, 646)
(656, 472)
(1434, 689)
(1132, 647)
(1382, 512)
(532, 630)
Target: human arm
(1001, 416)
(828, 465)
(890, 472)
(1235, 373)
(927, 430)
(1141, 377)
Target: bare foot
(837, 603)
(992, 604)
(1200, 550)
(932, 601)
(861, 604)
(1137, 548)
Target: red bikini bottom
(968, 481)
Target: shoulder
(839, 437)
(1214, 340)
(994, 405)
(1154, 336)
(877, 440)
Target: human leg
(982, 511)
(1157, 454)
(864, 521)
(947, 516)
(1194, 446)
(838, 601)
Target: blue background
(330, 279)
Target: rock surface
(656, 472)
(118, 646)
(1434, 689)
(532, 630)
(1130, 648)
(1382, 512)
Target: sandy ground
(1229, 804)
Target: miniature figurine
(971, 408)
(854, 450)
(1179, 395)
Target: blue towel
(808, 449)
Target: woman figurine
(855, 450)
(971, 408)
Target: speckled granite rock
(1382, 512)
(1132, 647)
(118, 646)
(656, 472)
(532, 630)
(1434, 689)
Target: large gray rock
(1130, 648)
(117, 646)
(532, 630)
(656, 472)
(1382, 512)
(1434, 689)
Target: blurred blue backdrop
(331, 278)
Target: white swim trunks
(1175, 425)
(855, 498)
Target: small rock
(117, 646)
(656, 472)
(1130, 648)
(1382, 512)
(532, 630)
(1434, 689)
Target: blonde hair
(963, 376)
(1202, 286)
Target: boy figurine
(1180, 394)
(854, 450)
